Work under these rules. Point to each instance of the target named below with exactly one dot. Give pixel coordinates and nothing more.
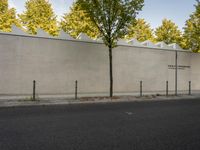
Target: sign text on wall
(181, 67)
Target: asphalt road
(161, 125)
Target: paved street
(158, 125)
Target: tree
(141, 31)
(7, 17)
(112, 18)
(168, 32)
(192, 30)
(76, 22)
(39, 14)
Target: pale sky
(153, 12)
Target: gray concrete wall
(134, 64)
(195, 73)
(56, 64)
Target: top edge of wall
(83, 37)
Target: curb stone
(96, 100)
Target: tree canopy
(140, 30)
(39, 14)
(76, 22)
(192, 30)
(168, 32)
(7, 17)
(112, 18)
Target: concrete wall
(195, 73)
(55, 64)
(134, 64)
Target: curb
(18, 103)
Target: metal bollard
(140, 88)
(34, 86)
(190, 88)
(167, 88)
(76, 89)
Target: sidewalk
(64, 101)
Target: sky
(154, 11)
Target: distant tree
(39, 14)
(112, 18)
(7, 17)
(76, 22)
(192, 30)
(184, 43)
(140, 30)
(168, 32)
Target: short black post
(140, 88)
(167, 88)
(190, 88)
(76, 89)
(34, 86)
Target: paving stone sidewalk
(17, 101)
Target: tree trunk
(111, 71)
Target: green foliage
(111, 17)
(184, 43)
(7, 17)
(140, 30)
(192, 30)
(76, 22)
(39, 14)
(168, 32)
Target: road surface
(160, 125)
